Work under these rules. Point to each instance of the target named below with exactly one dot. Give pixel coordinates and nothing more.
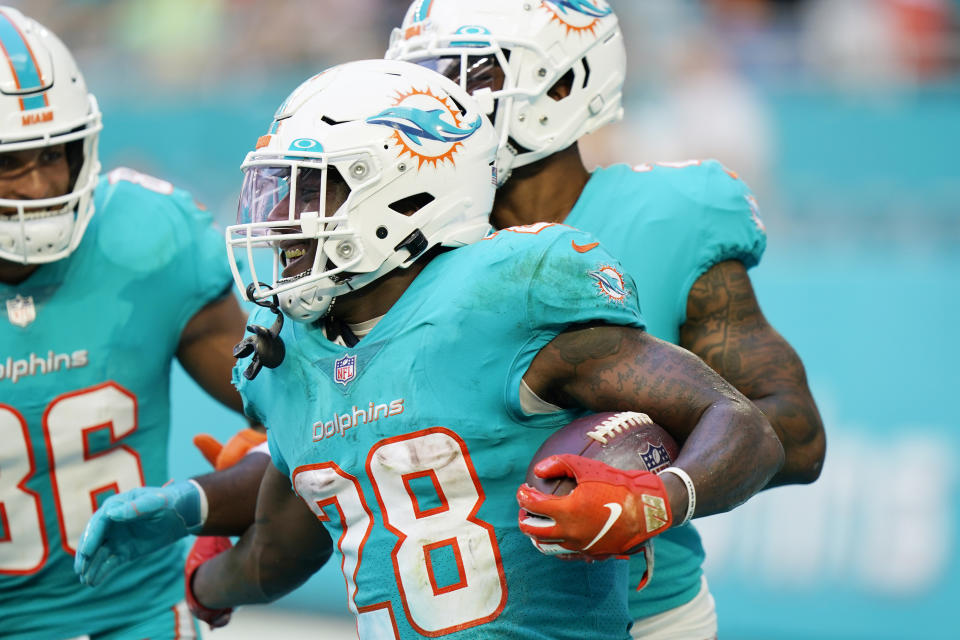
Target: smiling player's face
(30, 174)
(298, 255)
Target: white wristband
(204, 506)
(691, 492)
(263, 447)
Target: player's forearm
(777, 385)
(229, 579)
(771, 374)
(232, 495)
(726, 328)
(730, 455)
(729, 448)
(253, 573)
(794, 417)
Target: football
(626, 440)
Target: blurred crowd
(765, 86)
(846, 41)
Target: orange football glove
(223, 456)
(205, 548)
(610, 512)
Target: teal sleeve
(727, 224)
(249, 389)
(577, 281)
(243, 388)
(163, 243)
(731, 225)
(257, 394)
(204, 268)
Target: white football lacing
(616, 423)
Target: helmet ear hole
(411, 204)
(562, 87)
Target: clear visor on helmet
(265, 195)
(472, 72)
(280, 199)
(291, 207)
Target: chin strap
(266, 345)
(335, 327)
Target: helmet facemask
(298, 209)
(37, 231)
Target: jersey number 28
(472, 589)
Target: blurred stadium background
(843, 115)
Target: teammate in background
(548, 73)
(420, 357)
(94, 308)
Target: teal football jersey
(668, 224)
(411, 445)
(85, 351)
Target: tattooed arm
(726, 328)
(729, 449)
(283, 548)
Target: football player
(401, 401)
(103, 281)
(549, 73)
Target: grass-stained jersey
(411, 445)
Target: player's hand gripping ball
(592, 488)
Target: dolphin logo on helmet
(577, 16)
(427, 126)
(417, 123)
(581, 6)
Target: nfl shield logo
(21, 311)
(345, 369)
(655, 458)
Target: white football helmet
(535, 44)
(365, 167)
(44, 102)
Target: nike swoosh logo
(615, 511)
(583, 248)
